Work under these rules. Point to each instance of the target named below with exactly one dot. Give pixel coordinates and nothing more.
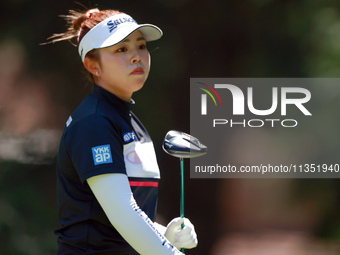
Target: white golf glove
(181, 238)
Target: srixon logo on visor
(112, 25)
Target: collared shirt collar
(112, 99)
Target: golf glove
(181, 238)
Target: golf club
(182, 145)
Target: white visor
(114, 30)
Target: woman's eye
(123, 49)
(142, 46)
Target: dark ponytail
(78, 24)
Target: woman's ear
(92, 65)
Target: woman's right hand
(181, 238)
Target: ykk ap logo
(102, 154)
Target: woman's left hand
(181, 238)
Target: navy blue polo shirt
(101, 136)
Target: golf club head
(182, 145)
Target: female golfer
(107, 173)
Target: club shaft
(182, 194)
(182, 187)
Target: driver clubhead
(182, 145)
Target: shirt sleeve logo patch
(68, 122)
(102, 154)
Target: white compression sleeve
(114, 194)
(160, 228)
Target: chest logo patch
(102, 154)
(129, 136)
(133, 158)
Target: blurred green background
(41, 85)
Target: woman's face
(124, 67)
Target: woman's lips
(138, 71)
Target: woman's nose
(136, 59)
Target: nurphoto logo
(242, 101)
(266, 127)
